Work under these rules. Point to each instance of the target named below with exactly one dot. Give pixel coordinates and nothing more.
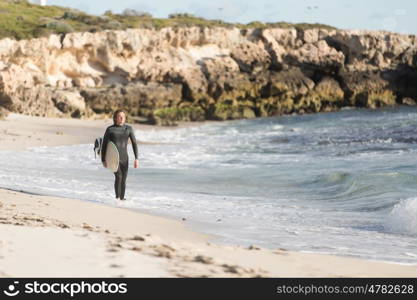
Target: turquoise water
(342, 183)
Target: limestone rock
(69, 102)
(317, 54)
(409, 101)
(291, 82)
(250, 57)
(278, 42)
(361, 47)
(201, 72)
(328, 89)
(139, 98)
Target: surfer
(119, 133)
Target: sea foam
(403, 217)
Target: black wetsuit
(119, 135)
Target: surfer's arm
(134, 143)
(104, 145)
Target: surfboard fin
(97, 146)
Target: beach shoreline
(126, 242)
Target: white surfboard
(112, 157)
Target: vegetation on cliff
(21, 19)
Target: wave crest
(403, 217)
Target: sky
(396, 16)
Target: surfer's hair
(116, 113)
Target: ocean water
(341, 183)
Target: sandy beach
(42, 236)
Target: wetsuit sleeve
(134, 143)
(104, 145)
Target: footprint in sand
(88, 227)
(137, 238)
(115, 266)
(204, 259)
(253, 247)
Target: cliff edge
(199, 73)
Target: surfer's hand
(136, 163)
(104, 164)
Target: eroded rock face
(141, 98)
(211, 73)
(318, 55)
(70, 103)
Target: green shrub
(134, 13)
(182, 16)
(59, 27)
(113, 25)
(256, 24)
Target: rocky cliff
(199, 73)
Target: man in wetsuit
(119, 133)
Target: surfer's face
(120, 118)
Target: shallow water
(342, 183)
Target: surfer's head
(119, 117)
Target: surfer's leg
(124, 168)
(118, 176)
